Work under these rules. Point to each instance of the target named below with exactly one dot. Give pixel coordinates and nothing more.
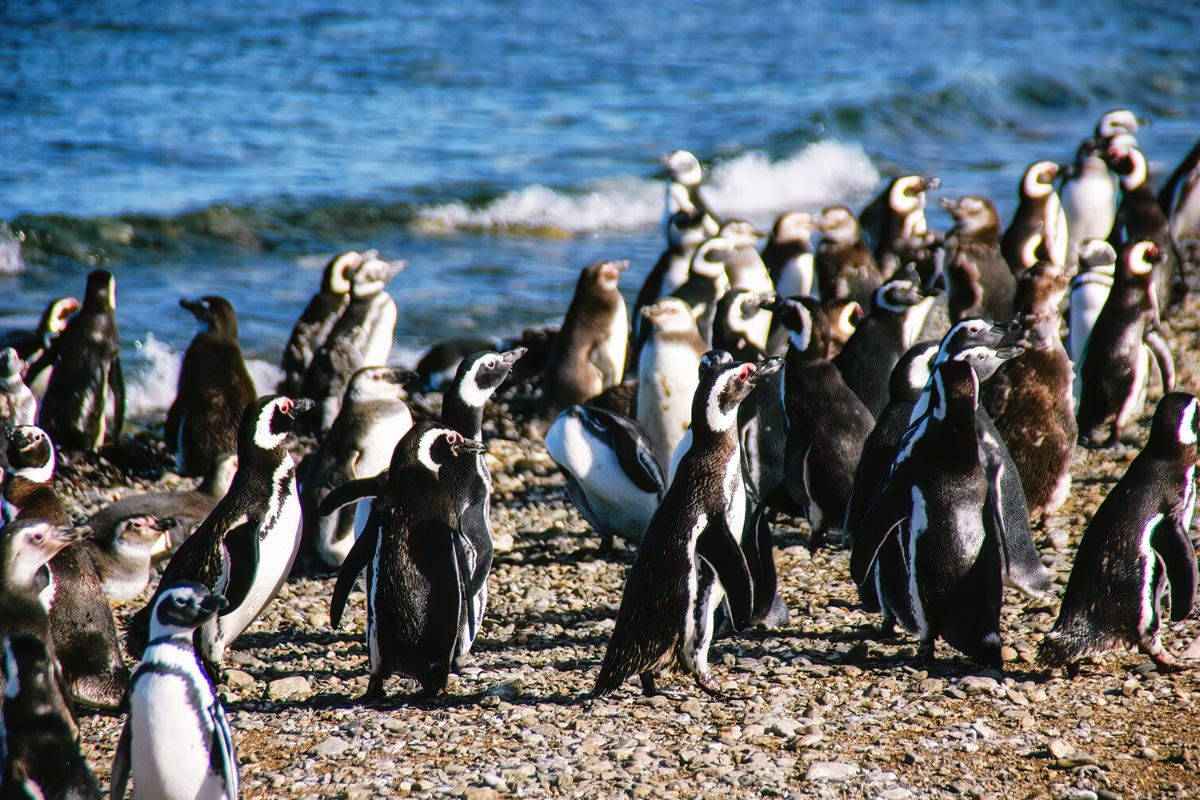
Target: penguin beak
(768, 366)
(1005, 353)
(190, 305)
(772, 302)
(213, 603)
(929, 184)
(473, 447)
(928, 291)
(300, 405)
(511, 357)
(950, 204)
(1008, 331)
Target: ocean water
(231, 147)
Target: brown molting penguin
(845, 266)
(978, 281)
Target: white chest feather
(617, 340)
(1148, 558)
(796, 277)
(376, 448)
(379, 330)
(668, 374)
(1090, 204)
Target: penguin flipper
(1162, 356)
(608, 370)
(638, 457)
(116, 382)
(356, 561)
(890, 508)
(1019, 557)
(721, 551)
(444, 612)
(1170, 540)
(242, 546)
(224, 752)
(122, 763)
(349, 492)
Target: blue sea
(232, 147)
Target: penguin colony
(915, 397)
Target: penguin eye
(37, 538)
(179, 601)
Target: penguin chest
(616, 340)
(668, 374)
(1055, 226)
(796, 277)
(169, 751)
(378, 331)
(1087, 299)
(1090, 203)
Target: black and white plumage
(245, 548)
(1137, 550)
(75, 408)
(1116, 362)
(415, 588)
(176, 742)
(746, 270)
(40, 756)
(737, 325)
(214, 389)
(978, 281)
(1039, 215)
(31, 345)
(1097, 266)
(614, 470)
(18, 406)
(124, 554)
(685, 232)
(707, 283)
(897, 213)
(317, 320)
(439, 364)
(690, 559)
(683, 190)
(1180, 197)
(788, 254)
(1089, 197)
(845, 266)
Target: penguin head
(28, 544)
(954, 388)
(740, 233)
(182, 607)
(983, 359)
(101, 292)
(431, 445)
(899, 295)
(1128, 162)
(1096, 254)
(1176, 425)
(906, 195)
(335, 278)
(481, 374)
(844, 315)
(599, 280)
(1138, 260)
(1040, 291)
(215, 314)
(709, 259)
(268, 421)
(670, 315)
(1119, 122)
(723, 387)
(976, 332)
(684, 168)
(713, 359)
(1039, 178)
(372, 274)
(30, 453)
(794, 227)
(378, 384)
(808, 323)
(912, 372)
(685, 230)
(738, 307)
(142, 533)
(839, 225)
(11, 365)
(28, 668)
(973, 215)
(55, 317)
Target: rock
(1148, 753)
(1192, 651)
(294, 688)
(332, 747)
(1059, 748)
(480, 793)
(830, 771)
(978, 684)
(237, 679)
(1076, 793)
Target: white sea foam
(10, 252)
(750, 185)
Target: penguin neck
(463, 417)
(181, 639)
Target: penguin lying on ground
(1136, 550)
(317, 320)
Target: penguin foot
(888, 630)
(650, 689)
(708, 684)
(816, 540)
(1072, 670)
(374, 692)
(926, 653)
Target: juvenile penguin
(690, 559)
(1136, 550)
(214, 389)
(40, 757)
(845, 266)
(317, 320)
(1039, 211)
(372, 420)
(683, 190)
(1180, 197)
(668, 373)
(614, 471)
(896, 213)
(1116, 362)
(978, 281)
(74, 408)
(788, 254)
(415, 590)
(32, 345)
(124, 560)
(18, 406)
(245, 548)
(588, 355)
(707, 283)
(897, 315)
(1097, 266)
(1029, 398)
(176, 742)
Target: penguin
(1030, 397)
(827, 423)
(436, 368)
(33, 345)
(362, 336)
(736, 323)
(176, 742)
(685, 232)
(707, 283)
(668, 372)
(1119, 122)
(788, 254)
(978, 281)
(317, 320)
(1097, 265)
(898, 311)
(1089, 197)
(683, 190)
(936, 501)
(588, 355)
(1140, 218)
(896, 213)
(844, 316)
(81, 621)
(1179, 197)
(415, 591)
(214, 389)
(690, 559)
(41, 756)
(372, 420)
(1136, 550)
(124, 561)
(245, 548)
(1039, 212)
(845, 266)
(18, 406)
(1116, 362)
(614, 471)
(74, 408)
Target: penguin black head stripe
(432, 446)
(899, 295)
(182, 607)
(336, 277)
(268, 421)
(723, 387)
(1118, 122)
(1128, 162)
(479, 375)
(907, 193)
(808, 322)
(1176, 426)
(55, 317)
(1039, 179)
(955, 385)
(912, 372)
(709, 258)
(215, 313)
(30, 453)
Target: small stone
(1148, 753)
(1059, 748)
(978, 684)
(808, 740)
(332, 747)
(237, 679)
(1076, 793)
(1016, 697)
(1059, 538)
(830, 771)
(480, 793)
(1008, 653)
(1192, 650)
(294, 688)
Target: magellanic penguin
(737, 323)
(685, 233)
(415, 590)
(176, 742)
(124, 560)
(1029, 398)
(936, 500)
(372, 420)
(668, 372)
(18, 406)
(707, 283)
(1089, 197)
(896, 213)
(827, 423)
(214, 389)
(690, 559)
(1039, 211)
(81, 621)
(1097, 266)
(1116, 362)
(588, 355)
(891, 326)
(32, 345)
(245, 548)
(1180, 197)
(614, 471)
(1136, 550)
(978, 281)
(75, 407)
(361, 337)
(683, 191)
(41, 756)
(845, 266)
(317, 320)
(437, 367)
(788, 254)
